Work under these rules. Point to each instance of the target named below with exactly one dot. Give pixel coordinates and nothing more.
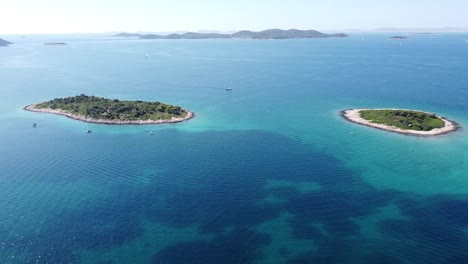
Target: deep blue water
(267, 173)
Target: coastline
(31, 108)
(353, 115)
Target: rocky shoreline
(353, 115)
(32, 108)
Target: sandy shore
(32, 108)
(353, 115)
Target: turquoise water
(267, 173)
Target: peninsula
(408, 122)
(100, 110)
(4, 43)
(245, 34)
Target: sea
(268, 172)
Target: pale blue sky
(92, 16)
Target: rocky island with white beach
(408, 122)
(100, 110)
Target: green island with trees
(112, 111)
(404, 119)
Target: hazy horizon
(350, 30)
(87, 16)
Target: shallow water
(266, 173)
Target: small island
(408, 122)
(127, 35)
(100, 110)
(398, 37)
(55, 43)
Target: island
(4, 43)
(285, 34)
(407, 122)
(398, 37)
(100, 110)
(188, 35)
(127, 35)
(55, 43)
(245, 34)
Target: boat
(34, 125)
(151, 133)
(88, 131)
(228, 89)
(146, 55)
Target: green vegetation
(108, 109)
(404, 119)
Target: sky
(98, 16)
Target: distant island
(266, 34)
(398, 37)
(4, 43)
(408, 122)
(127, 35)
(55, 43)
(285, 34)
(100, 110)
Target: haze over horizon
(87, 16)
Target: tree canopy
(114, 109)
(404, 119)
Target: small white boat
(151, 133)
(88, 131)
(146, 55)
